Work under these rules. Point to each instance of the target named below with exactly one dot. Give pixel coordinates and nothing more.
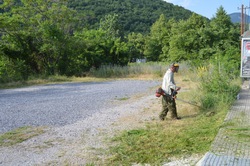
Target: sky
(208, 8)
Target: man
(168, 86)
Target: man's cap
(175, 64)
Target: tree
(136, 42)
(187, 41)
(103, 46)
(36, 31)
(222, 29)
(110, 24)
(166, 42)
(113, 45)
(156, 39)
(226, 42)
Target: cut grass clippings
(19, 135)
(160, 141)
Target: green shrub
(209, 101)
(11, 71)
(217, 86)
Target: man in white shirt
(168, 86)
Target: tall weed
(156, 69)
(133, 69)
(217, 86)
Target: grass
(236, 130)
(19, 135)
(160, 141)
(241, 132)
(49, 80)
(132, 70)
(143, 71)
(123, 98)
(238, 133)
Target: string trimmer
(188, 102)
(174, 93)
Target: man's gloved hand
(174, 94)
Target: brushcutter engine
(159, 92)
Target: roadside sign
(245, 58)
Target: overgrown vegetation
(218, 86)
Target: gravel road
(62, 104)
(78, 118)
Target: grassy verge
(132, 71)
(19, 135)
(159, 142)
(49, 80)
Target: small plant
(19, 135)
(123, 98)
(208, 101)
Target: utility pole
(242, 29)
(242, 24)
(242, 20)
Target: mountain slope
(236, 18)
(134, 15)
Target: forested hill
(134, 15)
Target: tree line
(47, 37)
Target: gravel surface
(78, 117)
(62, 104)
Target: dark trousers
(168, 104)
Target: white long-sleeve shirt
(168, 82)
